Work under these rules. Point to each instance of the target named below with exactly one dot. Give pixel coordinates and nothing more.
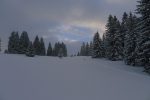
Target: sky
(70, 21)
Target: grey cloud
(38, 17)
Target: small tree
(24, 42)
(49, 50)
(91, 49)
(87, 50)
(97, 47)
(37, 46)
(42, 47)
(30, 50)
(11, 43)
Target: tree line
(22, 45)
(127, 40)
(86, 49)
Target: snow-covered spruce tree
(109, 37)
(91, 49)
(143, 42)
(23, 42)
(124, 26)
(42, 47)
(49, 50)
(103, 45)
(37, 46)
(130, 40)
(64, 48)
(55, 49)
(30, 50)
(113, 39)
(84, 50)
(124, 29)
(87, 49)
(65, 51)
(118, 40)
(97, 46)
(13, 43)
(16, 43)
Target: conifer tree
(30, 50)
(103, 44)
(91, 49)
(97, 49)
(16, 42)
(143, 41)
(113, 39)
(42, 48)
(37, 46)
(13, 43)
(118, 40)
(56, 49)
(124, 26)
(109, 37)
(87, 50)
(66, 52)
(130, 40)
(24, 42)
(64, 49)
(49, 50)
(10, 43)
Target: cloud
(72, 21)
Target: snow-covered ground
(77, 78)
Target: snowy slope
(78, 78)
